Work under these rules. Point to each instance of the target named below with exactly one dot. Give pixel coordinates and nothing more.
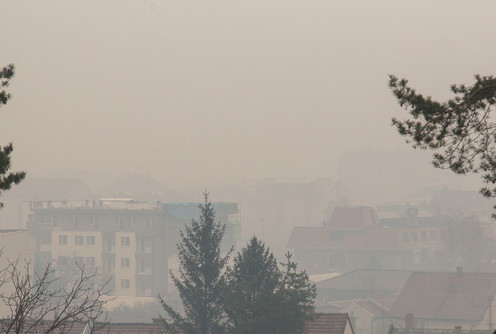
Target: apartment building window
(125, 283)
(423, 234)
(432, 234)
(406, 238)
(90, 262)
(79, 260)
(125, 262)
(125, 241)
(414, 236)
(62, 239)
(90, 240)
(75, 221)
(79, 240)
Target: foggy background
(224, 94)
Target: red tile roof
(446, 296)
(329, 323)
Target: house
(362, 283)
(448, 299)
(458, 330)
(329, 323)
(368, 316)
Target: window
(90, 262)
(406, 238)
(125, 262)
(90, 240)
(432, 234)
(414, 236)
(62, 239)
(79, 240)
(79, 260)
(423, 234)
(125, 283)
(125, 241)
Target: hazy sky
(213, 91)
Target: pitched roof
(394, 330)
(110, 328)
(363, 279)
(446, 296)
(329, 323)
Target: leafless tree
(38, 303)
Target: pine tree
(298, 294)
(261, 298)
(201, 277)
(251, 290)
(7, 179)
(461, 131)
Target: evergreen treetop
(7, 179)
(201, 276)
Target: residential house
(458, 330)
(329, 323)
(448, 299)
(368, 316)
(361, 284)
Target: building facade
(128, 243)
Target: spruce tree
(7, 179)
(261, 298)
(201, 277)
(251, 290)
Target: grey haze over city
(280, 110)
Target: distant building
(15, 212)
(127, 242)
(356, 238)
(362, 284)
(448, 299)
(368, 315)
(456, 330)
(285, 203)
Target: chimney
(409, 321)
(459, 271)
